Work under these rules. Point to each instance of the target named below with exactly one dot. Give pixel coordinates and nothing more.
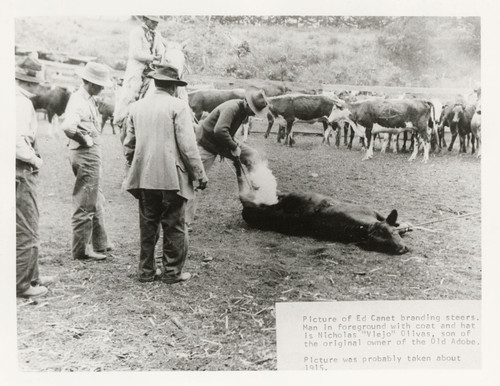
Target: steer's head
(340, 111)
(458, 113)
(385, 236)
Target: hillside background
(385, 51)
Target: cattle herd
(366, 115)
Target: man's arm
(73, 126)
(24, 150)
(222, 129)
(186, 142)
(129, 141)
(135, 47)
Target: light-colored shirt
(26, 127)
(82, 111)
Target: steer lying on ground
(322, 217)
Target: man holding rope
(216, 135)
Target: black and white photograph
(179, 173)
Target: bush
(406, 41)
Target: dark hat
(153, 18)
(166, 72)
(257, 102)
(30, 70)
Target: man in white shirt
(28, 163)
(82, 127)
(146, 46)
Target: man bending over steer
(216, 134)
(160, 147)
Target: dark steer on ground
(293, 107)
(311, 214)
(53, 101)
(392, 116)
(202, 101)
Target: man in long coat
(160, 147)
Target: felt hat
(166, 72)
(96, 73)
(30, 70)
(153, 18)
(257, 102)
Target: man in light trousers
(82, 126)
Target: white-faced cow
(294, 107)
(475, 126)
(392, 116)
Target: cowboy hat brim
(262, 114)
(27, 78)
(154, 75)
(89, 78)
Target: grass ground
(98, 317)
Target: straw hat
(30, 70)
(166, 72)
(96, 73)
(257, 102)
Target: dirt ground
(98, 317)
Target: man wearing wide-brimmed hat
(28, 162)
(82, 127)
(160, 147)
(216, 133)
(146, 46)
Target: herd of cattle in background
(351, 113)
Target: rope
(242, 171)
(448, 218)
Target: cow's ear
(392, 218)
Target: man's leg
(27, 236)
(208, 160)
(175, 237)
(85, 193)
(150, 210)
(100, 240)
